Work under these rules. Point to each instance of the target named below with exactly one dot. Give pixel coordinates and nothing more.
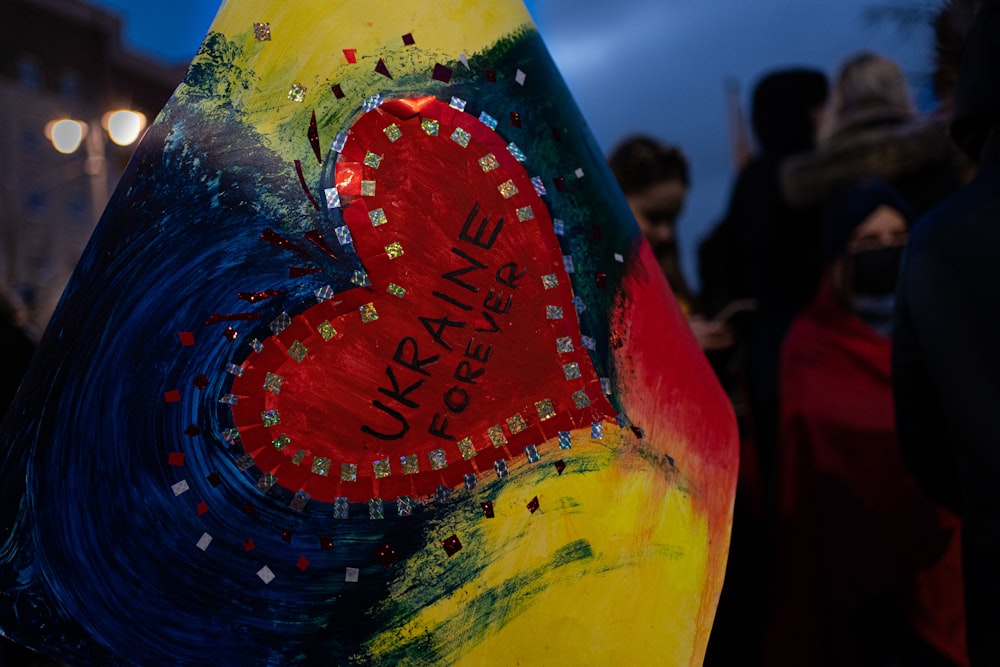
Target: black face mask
(874, 272)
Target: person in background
(868, 569)
(654, 179)
(870, 129)
(946, 356)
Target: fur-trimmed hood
(887, 146)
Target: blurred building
(62, 59)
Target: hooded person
(868, 568)
(946, 361)
(871, 129)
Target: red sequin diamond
(488, 509)
(452, 545)
(386, 555)
(325, 543)
(302, 563)
(533, 505)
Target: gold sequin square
(571, 371)
(327, 331)
(270, 417)
(410, 464)
(507, 189)
(367, 188)
(525, 213)
(348, 472)
(393, 132)
(297, 93)
(430, 126)
(496, 435)
(394, 249)
(438, 459)
(396, 290)
(321, 466)
(272, 382)
(516, 423)
(545, 409)
(298, 351)
(368, 313)
(488, 162)
(373, 160)
(381, 468)
(299, 457)
(467, 449)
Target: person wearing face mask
(867, 567)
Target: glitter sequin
(507, 189)
(266, 481)
(281, 442)
(470, 481)
(525, 213)
(568, 264)
(393, 132)
(373, 160)
(377, 217)
(297, 93)
(375, 511)
(520, 76)
(373, 102)
(588, 342)
(549, 280)
(299, 456)
(327, 331)
(467, 449)
(488, 120)
(368, 313)
(606, 386)
(270, 417)
(262, 32)
(299, 501)
(438, 459)
(461, 137)
(394, 250)
(348, 472)
(404, 506)
(332, 197)
(430, 126)
(410, 464)
(343, 235)
(564, 344)
(321, 466)
(571, 371)
(565, 440)
(229, 399)
(272, 382)
(553, 312)
(580, 399)
(496, 435)
(501, 468)
(536, 182)
(256, 346)
(367, 188)
(488, 162)
(597, 431)
(381, 467)
(339, 141)
(360, 278)
(531, 451)
(341, 507)
(558, 227)
(516, 423)
(396, 290)
(298, 351)
(545, 409)
(280, 323)
(516, 152)
(457, 103)
(324, 293)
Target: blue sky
(652, 66)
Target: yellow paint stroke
(632, 599)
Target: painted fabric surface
(366, 363)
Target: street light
(123, 127)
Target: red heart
(478, 360)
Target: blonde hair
(868, 85)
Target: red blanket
(863, 559)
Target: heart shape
(460, 347)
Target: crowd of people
(845, 305)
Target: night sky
(651, 66)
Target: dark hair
(640, 161)
(781, 113)
(851, 207)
